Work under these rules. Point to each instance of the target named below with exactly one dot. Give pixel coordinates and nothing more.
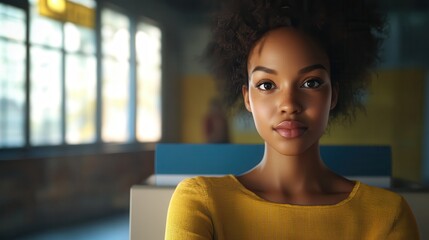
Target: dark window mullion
(27, 78)
(99, 72)
(63, 88)
(133, 83)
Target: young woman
(296, 65)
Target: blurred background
(87, 89)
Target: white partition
(148, 211)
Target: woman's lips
(290, 129)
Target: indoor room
(91, 89)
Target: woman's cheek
(262, 112)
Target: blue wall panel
(238, 158)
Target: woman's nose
(289, 102)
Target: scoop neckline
(351, 195)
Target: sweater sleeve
(188, 217)
(405, 225)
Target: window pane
(148, 45)
(79, 39)
(45, 94)
(116, 67)
(12, 94)
(44, 31)
(115, 101)
(80, 99)
(115, 34)
(12, 76)
(12, 23)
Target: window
(116, 79)
(148, 49)
(45, 96)
(12, 76)
(59, 106)
(118, 86)
(81, 84)
(62, 81)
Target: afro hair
(351, 33)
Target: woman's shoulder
(379, 197)
(205, 188)
(206, 181)
(378, 192)
(391, 207)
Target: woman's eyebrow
(301, 71)
(311, 68)
(264, 69)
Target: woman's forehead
(287, 46)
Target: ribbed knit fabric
(221, 208)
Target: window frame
(27, 151)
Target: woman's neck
(301, 173)
(302, 179)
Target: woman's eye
(312, 83)
(266, 86)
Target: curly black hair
(350, 31)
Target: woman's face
(289, 92)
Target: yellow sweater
(221, 208)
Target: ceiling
(204, 6)
(193, 6)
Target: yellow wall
(394, 116)
(197, 91)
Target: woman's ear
(334, 97)
(245, 92)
